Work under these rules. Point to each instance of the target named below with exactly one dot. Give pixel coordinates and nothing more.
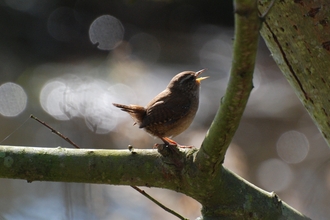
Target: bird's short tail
(130, 108)
(137, 112)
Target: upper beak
(200, 78)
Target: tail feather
(130, 108)
(137, 112)
(122, 107)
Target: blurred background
(67, 61)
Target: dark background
(70, 83)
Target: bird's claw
(164, 145)
(170, 145)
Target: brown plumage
(171, 111)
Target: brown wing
(165, 109)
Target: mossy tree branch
(226, 196)
(117, 167)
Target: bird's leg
(169, 141)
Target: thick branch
(298, 35)
(226, 121)
(242, 200)
(117, 167)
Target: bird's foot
(171, 146)
(167, 149)
(170, 143)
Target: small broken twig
(158, 203)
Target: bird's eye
(187, 78)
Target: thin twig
(158, 203)
(55, 132)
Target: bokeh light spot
(292, 147)
(106, 31)
(96, 102)
(274, 175)
(13, 99)
(91, 99)
(52, 98)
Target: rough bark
(297, 33)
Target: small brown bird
(171, 111)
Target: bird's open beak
(200, 78)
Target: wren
(171, 111)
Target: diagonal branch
(226, 121)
